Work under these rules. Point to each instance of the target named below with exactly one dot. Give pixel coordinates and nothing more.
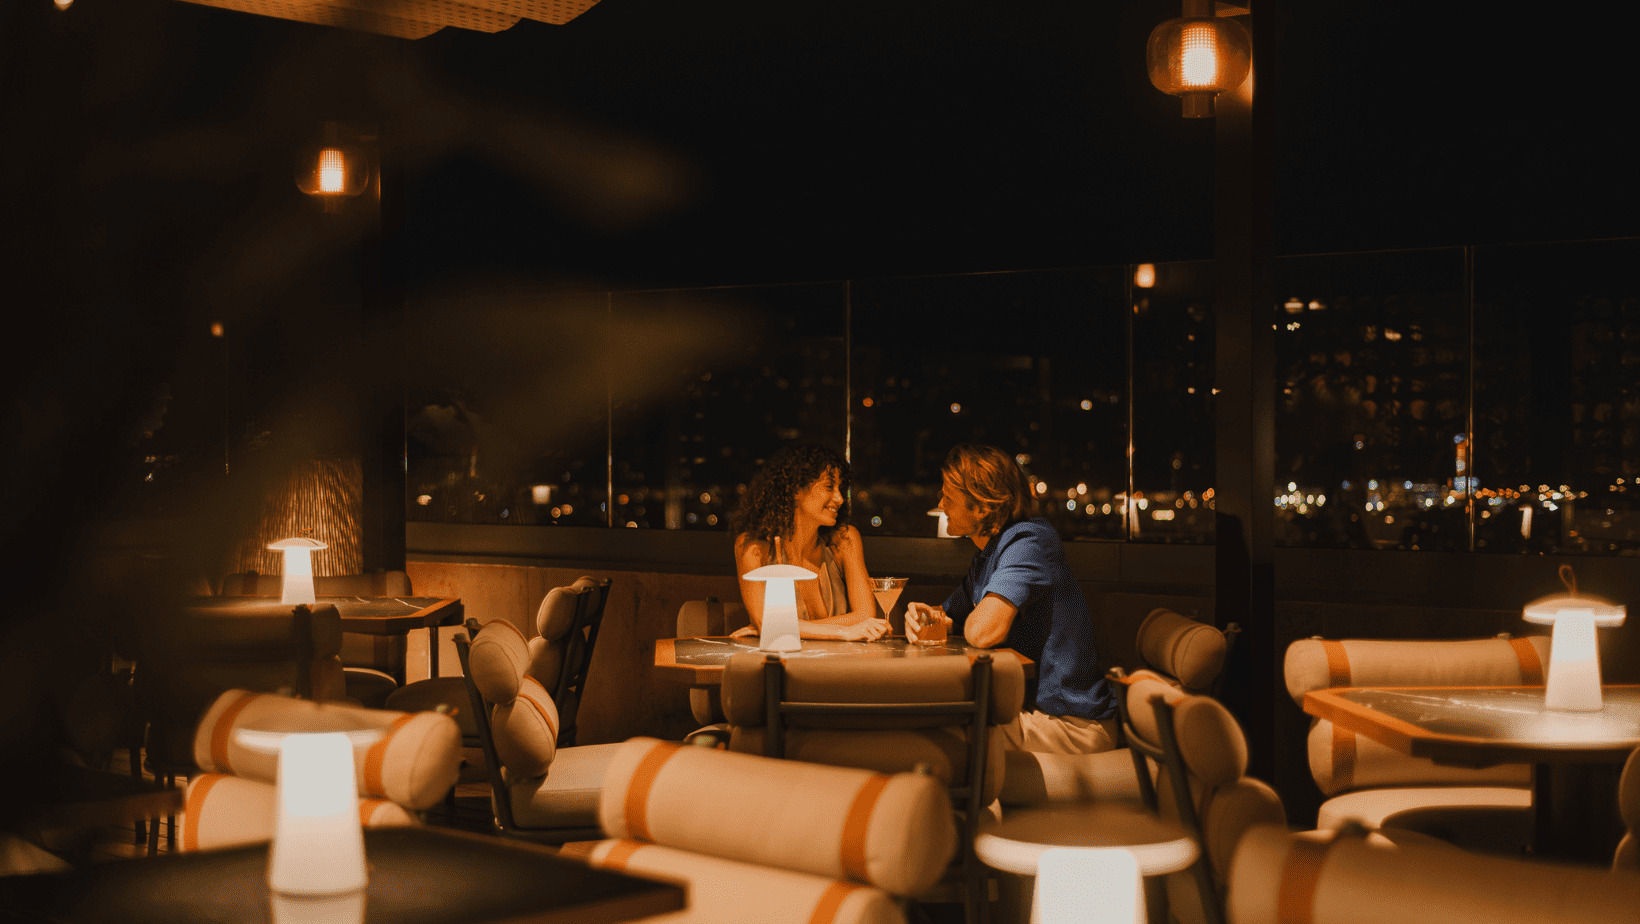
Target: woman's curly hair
(766, 509)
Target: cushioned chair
(709, 618)
(1343, 878)
(410, 767)
(1379, 787)
(1188, 654)
(370, 662)
(538, 790)
(1200, 758)
(887, 715)
(772, 841)
(1628, 805)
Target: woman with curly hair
(800, 496)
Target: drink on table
(887, 590)
(932, 630)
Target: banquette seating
(772, 841)
(1378, 787)
(233, 801)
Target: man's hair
(993, 483)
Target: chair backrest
(380, 652)
(516, 719)
(1341, 760)
(1189, 652)
(709, 617)
(891, 831)
(1348, 879)
(566, 626)
(887, 715)
(1628, 805)
(1201, 782)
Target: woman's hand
(867, 630)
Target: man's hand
(920, 615)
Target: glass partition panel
(1173, 422)
(1372, 367)
(1032, 362)
(505, 413)
(707, 383)
(1557, 397)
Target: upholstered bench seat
(1460, 814)
(571, 801)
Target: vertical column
(382, 348)
(1245, 404)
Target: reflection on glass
(1173, 422)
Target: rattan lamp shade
(410, 19)
(1197, 57)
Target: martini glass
(887, 590)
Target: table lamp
(296, 586)
(318, 841)
(1574, 657)
(1088, 885)
(779, 629)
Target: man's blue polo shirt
(1025, 565)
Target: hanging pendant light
(334, 170)
(1198, 56)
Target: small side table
(1017, 844)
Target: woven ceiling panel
(410, 19)
(324, 14)
(553, 11)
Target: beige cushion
(1034, 778)
(1189, 651)
(498, 659)
(709, 617)
(875, 680)
(546, 661)
(567, 797)
(732, 892)
(414, 762)
(525, 729)
(428, 695)
(1341, 760)
(942, 751)
(1210, 741)
(891, 831)
(1490, 818)
(557, 610)
(225, 811)
(1316, 664)
(1278, 877)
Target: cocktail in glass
(887, 590)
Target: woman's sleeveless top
(833, 590)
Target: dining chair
(769, 840)
(709, 617)
(538, 791)
(1188, 654)
(234, 801)
(1350, 876)
(369, 662)
(887, 715)
(1198, 755)
(1379, 787)
(1627, 855)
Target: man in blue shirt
(1020, 594)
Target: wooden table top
(364, 615)
(418, 875)
(1483, 726)
(700, 661)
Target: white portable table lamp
(1573, 684)
(296, 583)
(779, 630)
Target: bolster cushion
(871, 680)
(498, 659)
(890, 831)
(525, 729)
(1210, 741)
(1190, 651)
(1317, 664)
(1039, 778)
(1341, 760)
(226, 811)
(414, 761)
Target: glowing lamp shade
(333, 170)
(1574, 657)
(297, 584)
(318, 842)
(779, 630)
(1088, 885)
(1198, 56)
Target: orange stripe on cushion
(855, 825)
(224, 725)
(367, 807)
(502, 622)
(192, 811)
(1338, 663)
(620, 854)
(1295, 895)
(1343, 758)
(643, 780)
(552, 725)
(1531, 666)
(375, 759)
(825, 910)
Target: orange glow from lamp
(297, 583)
(1144, 275)
(334, 170)
(1573, 683)
(1198, 56)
